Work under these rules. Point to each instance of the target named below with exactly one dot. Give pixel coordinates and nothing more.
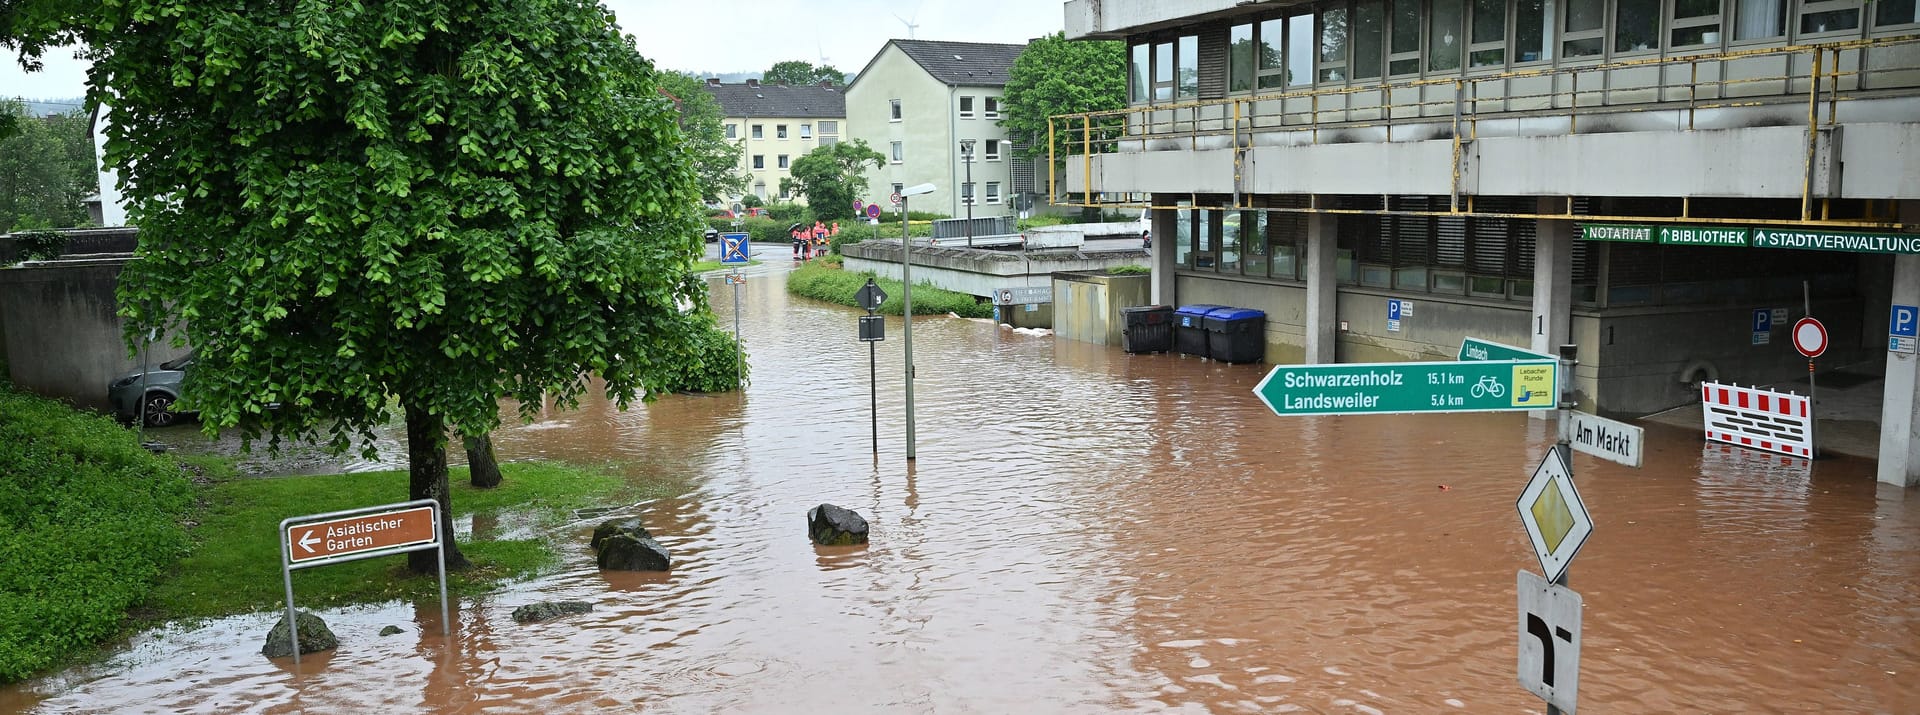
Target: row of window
(760, 161)
(991, 151)
(758, 131)
(991, 108)
(1364, 40)
(993, 195)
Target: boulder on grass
(314, 637)
(628, 526)
(830, 525)
(627, 552)
(538, 612)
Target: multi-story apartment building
(1644, 179)
(917, 102)
(777, 124)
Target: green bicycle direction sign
(1383, 388)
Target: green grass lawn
(827, 281)
(234, 564)
(705, 266)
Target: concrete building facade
(916, 101)
(776, 124)
(1641, 178)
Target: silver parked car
(150, 395)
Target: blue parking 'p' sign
(1905, 322)
(1393, 309)
(1762, 320)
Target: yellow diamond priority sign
(1556, 520)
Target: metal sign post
(1810, 338)
(733, 252)
(355, 534)
(906, 298)
(873, 329)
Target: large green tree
(46, 169)
(1055, 76)
(716, 161)
(799, 72)
(428, 203)
(832, 176)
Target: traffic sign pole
(1565, 444)
(1813, 392)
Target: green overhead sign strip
(1757, 238)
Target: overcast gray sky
(725, 35)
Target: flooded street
(1088, 531)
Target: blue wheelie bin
(1236, 335)
(1190, 330)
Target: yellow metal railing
(1235, 119)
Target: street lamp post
(966, 157)
(906, 300)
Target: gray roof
(963, 63)
(779, 100)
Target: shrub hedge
(830, 283)
(87, 520)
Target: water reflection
(1091, 531)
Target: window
(1299, 50)
(1695, 23)
(1585, 29)
(993, 192)
(1270, 61)
(829, 141)
(780, 131)
(1369, 24)
(829, 127)
(1137, 74)
(993, 108)
(1333, 44)
(783, 161)
(760, 189)
(733, 130)
(1759, 19)
(1489, 48)
(1403, 46)
(1636, 26)
(759, 161)
(756, 131)
(785, 192)
(966, 193)
(993, 150)
(1829, 16)
(1444, 39)
(1531, 27)
(966, 107)
(896, 153)
(1187, 67)
(897, 188)
(1887, 13)
(1163, 72)
(895, 109)
(1240, 49)
(806, 131)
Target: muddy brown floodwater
(1088, 531)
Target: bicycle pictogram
(1488, 386)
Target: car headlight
(123, 382)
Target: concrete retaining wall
(63, 333)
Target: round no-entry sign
(1810, 337)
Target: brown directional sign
(335, 538)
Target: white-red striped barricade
(1761, 419)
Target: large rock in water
(537, 612)
(630, 527)
(314, 637)
(627, 552)
(830, 525)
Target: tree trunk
(427, 479)
(484, 470)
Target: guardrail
(1829, 81)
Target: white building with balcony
(1494, 163)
